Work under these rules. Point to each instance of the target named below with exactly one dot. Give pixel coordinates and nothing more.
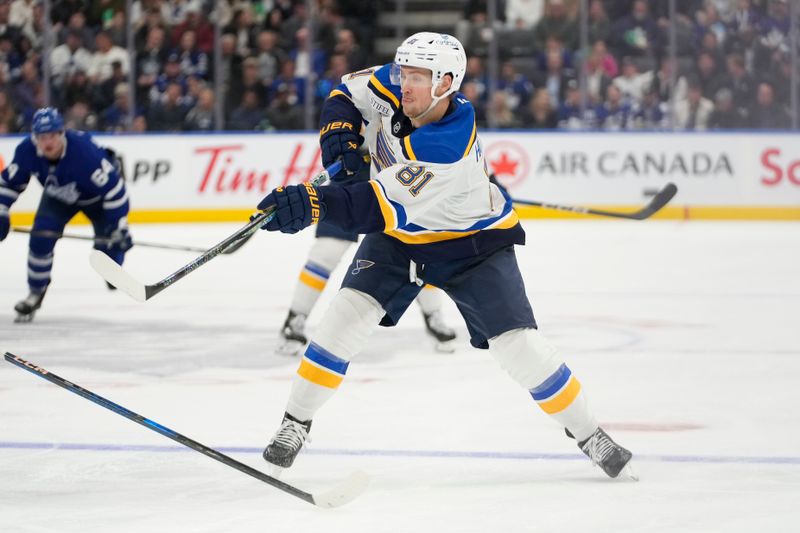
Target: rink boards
(221, 177)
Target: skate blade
(24, 319)
(628, 473)
(446, 346)
(275, 470)
(289, 349)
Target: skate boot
(26, 308)
(287, 442)
(292, 338)
(607, 454)
(443, 336)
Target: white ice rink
(684, 335)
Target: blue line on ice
(708, 459)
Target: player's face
(51, 144)
(415, 86)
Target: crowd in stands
(731, 67)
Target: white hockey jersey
(432, 186)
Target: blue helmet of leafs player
(48, 133)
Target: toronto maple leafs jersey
(82, 176)
(430, 190)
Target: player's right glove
(296, 207)
(5, 223)
(338, 139)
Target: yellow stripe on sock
(311, 281)
(563, 399)
(317, 375)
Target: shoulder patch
(382, 88)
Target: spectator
(539, 114)
(725, 115)
(740, 82)
(80, 116)
(106, 53)
(556, 23)
(288, 77)
(68, 56)
(77, 23)
(499, 113)
(659, 81)
(523, 14)
(569, 110)
(632, 84)
(62, 10)
(117, 29)
(306, 60)
(149, 62)
(708, 74)
(555, 79)
(768, 114)
(100, 12)
(637, 34)
(21, 13)
(28, 89)
(282, 113)
(347, 45)
(172, 74)
(249, 115)
(193, 61)
(693, 112)
(104, 92)
(269, 56)
(597, 68)
(195, 21)
(201, 116)
(518, 87)
(231, 64)
(470, 90)
(76, 88)
(476, 74)
(337, 69)
(248, 81)
(650, 114)
(599, 23)
(116, 118)
(8, 116)
(615, 113)
(241, 28)
(169, 113)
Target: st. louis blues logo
(361, 264)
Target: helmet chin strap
(434, 100)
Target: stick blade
(659, 200)
(115, 275)
(345, 492)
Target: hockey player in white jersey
(430, 215)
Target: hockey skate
(443, 336)
(608, 455)
(286, 443)
(26, 308)
(292, 336)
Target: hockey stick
(658, 201)
(115, 275)
(103, 240)
(343, 493)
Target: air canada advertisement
(196, 172)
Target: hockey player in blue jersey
(77, 176)
(430, 215)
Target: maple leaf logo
(504, 166)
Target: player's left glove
(5, 223)
(296, 207)
(119, 238)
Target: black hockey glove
(401, 124)
(5, 223)
(296, 207)
(338, 139)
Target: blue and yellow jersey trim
(383, 88)
(394, 215)
(446, 141)
(414, 234)
(558, 391)
(321, 367)
(341, 90)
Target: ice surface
(684, 335)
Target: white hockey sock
(535, 364)
(325, 254)
(429, 299)
(345, 329)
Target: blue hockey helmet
(47, 120)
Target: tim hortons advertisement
(216, 177)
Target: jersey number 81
(415, 178)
